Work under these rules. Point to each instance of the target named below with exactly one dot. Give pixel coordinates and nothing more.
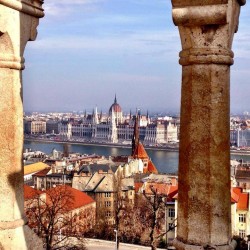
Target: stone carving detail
(31, 8)
(210, 25)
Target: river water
(166, 162)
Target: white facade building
(115, 128)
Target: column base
(21, 238)
(182, 246)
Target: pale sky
(89, 50)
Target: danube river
(166, 162)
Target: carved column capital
(31, 8)
(18, 23)
(206, 29)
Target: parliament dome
(115, 107)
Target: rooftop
(80, 198)
(243, 201)
(43, 172)
(33, 168)
(30, 193)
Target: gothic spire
(135, 138)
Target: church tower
(138, 150)
(135, 139)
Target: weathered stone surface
(181, 246)
(20, 238)
(206, 30)
(18, 24)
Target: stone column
(18, 22)
(206, 29)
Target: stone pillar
(18, 22)
(206, 29)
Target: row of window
(107, 195)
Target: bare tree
(153, 215)
(50, 215)
(142, 222)
(130, 226)
(120, 204)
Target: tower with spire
(135, 138)
(138, 150)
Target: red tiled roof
(30, 193)
(138, 185)
(234, 196)
(80, 198)
(42, 172)
(162, 188)
(140, 152)
(152, 168)
(243, 200)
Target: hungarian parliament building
(113, 127)
(116, 128)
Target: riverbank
(239, 152)
(165, 161)
(172, 148)
(103, 144)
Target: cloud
(143, 43)
(66, 7)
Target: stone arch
(6, 46)
(11, 235)
(8, 59)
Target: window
(171, 212)
(242, 233)
(107, 203)
(107, 195)
(242, 218)
(108, 213)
